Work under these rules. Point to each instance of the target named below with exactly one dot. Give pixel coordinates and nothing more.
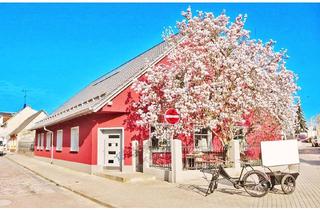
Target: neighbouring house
(13, 123)
(4, 117)
(22, 138)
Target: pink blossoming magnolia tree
(215, 75)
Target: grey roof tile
(100, 89)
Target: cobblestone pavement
(307, 193)
(21, 188)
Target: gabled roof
(104, 89)
(25, 123)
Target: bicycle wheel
(288, 184)
(256, 183)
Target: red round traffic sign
(172, 116)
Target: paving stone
(163, 194)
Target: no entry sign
(172, 116)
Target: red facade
(108, 117)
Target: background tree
(318, 125)
(301, 125)
(215, 75)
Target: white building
(14, 123)
(22, 138)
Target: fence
(194, 158)
(160, 157)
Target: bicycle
(255, 183)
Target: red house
(87, 132)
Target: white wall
(26, 135)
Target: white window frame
(59, 142)
(239, 134)
(48, 140)
(38, 141)
(159, 144)
(42, 141)
(74, 143)
(208, 136)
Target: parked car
(1, 148)
(303, 137)
(315, 141)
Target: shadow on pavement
(199, 189)
(310, 151)
(224, 186)
(311, 162)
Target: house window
(154, 139)
(59, 140)
(74, 139)
(42, 141)
(48, 141)
(38, 141)
(202, 139)
(238, 134)
(162, 142)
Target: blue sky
(54, 50)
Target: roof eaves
(42, 123)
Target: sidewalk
(162, 194)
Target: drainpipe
(51, 159)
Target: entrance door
(112, 150)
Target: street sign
(172, 116)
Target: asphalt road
(21, 188)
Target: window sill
(58, 150)
(73, 151)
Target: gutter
(51, 159)
(65, 118)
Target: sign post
(172, 117)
